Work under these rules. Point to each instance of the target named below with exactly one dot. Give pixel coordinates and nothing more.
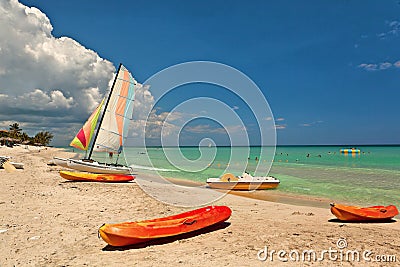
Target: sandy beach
(48, 221)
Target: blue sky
(330, 70)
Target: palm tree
(3, 133)
(43, 138)
(15, 131)
(24, 137)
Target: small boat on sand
(360, 214)
(16, 165)
(245, 182)
(95, 177)
(112, 118)
(130, 233)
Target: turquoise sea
(369, 178)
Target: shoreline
(268, 195)
(271, 195)
(292, 198)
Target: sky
(330, 70)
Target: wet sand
(266, 195)
(48, 221)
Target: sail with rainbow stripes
(118, 112)
(83, 137)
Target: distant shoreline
(373, 145)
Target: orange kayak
(96, 177)
(374, 213)
(129, 233)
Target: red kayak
(129, 233)
(359, 214)
(96, 177)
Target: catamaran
(110, 134)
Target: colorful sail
(82, 139)
(118, 112)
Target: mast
(104, 112)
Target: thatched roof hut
(8, 141)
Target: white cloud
(308, 124)
(381, 35)
(384, 65)
(54, 84)
(394, 29)
(280, 126)
(379, 66)
(38, 100)
(42, 77)
(42, 101)
(205, 128)
(369, 67)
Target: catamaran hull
(60, 162)
(95, 167)
(129, 233)
(96, 177)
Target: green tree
(25, 137)
(43, 138)
(15, 131)
(3, 133)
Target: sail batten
(130, 99)
(125, 117)
(102, 148)
(126, 80)
(112, 133)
